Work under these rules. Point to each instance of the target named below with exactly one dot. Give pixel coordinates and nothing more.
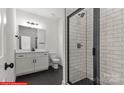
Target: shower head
(81, 14)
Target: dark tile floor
(48, 77)
(85, 81)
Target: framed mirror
(30, 38)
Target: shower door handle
(94, 51)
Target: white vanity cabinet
(31, 62)
(41, 61)
(24, 63)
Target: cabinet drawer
(20, 55)
(41, 54)
(29, 55)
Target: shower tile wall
(112, 46)
(89, 43)
(89, 35)
(77, 67)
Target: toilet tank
(53, 55)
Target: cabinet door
(41, 62)
(24, 66)
(41, 38)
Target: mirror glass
(26, 42)
(31, 38)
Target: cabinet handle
(21, 56)
(34, 60)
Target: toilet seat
(55, 59)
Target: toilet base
(55, 66)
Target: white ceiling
(54, 13)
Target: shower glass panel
(80, 37)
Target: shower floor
(85, 81)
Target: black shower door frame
(96, 44)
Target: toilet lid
(55, 59)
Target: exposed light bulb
(4, 18)
(0, 18)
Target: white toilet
(54, 60)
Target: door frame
(96, 44)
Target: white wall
(61, 38)
(50, 25)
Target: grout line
(86, 43)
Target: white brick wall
(112, 46)
(77, 55)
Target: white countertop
(28, 51)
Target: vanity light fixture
(4, 19)
(32, 23)
(0, 18)
(28, 22)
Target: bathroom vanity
(31, 55)
(31, 61)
